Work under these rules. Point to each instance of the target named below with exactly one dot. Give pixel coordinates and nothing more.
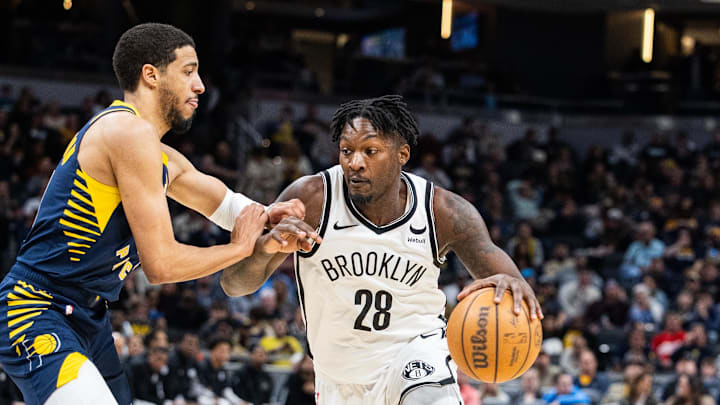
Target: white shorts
(425, 361)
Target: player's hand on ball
(281, 210)
(520, 290)
(248, 227)
(289, 235)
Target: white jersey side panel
(366, 291)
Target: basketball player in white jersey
(369, 292)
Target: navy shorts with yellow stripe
(45, 337)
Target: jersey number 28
(383, 303)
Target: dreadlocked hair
(389, 115)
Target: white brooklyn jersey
(368, 290)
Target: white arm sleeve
(230, 207)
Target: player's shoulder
(447, 204)
(308, 188)
(126, 131)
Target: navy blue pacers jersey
(81, 238)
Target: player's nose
(197, 86)
(357, 162)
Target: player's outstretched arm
(289, 235)
(136, 161)
(460, 228)
(211, 198)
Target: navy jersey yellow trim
(81, 237)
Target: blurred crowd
(621, 244)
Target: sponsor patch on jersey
(417, 369)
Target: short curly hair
(150, 43)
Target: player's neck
(387, 207)
(149, 110)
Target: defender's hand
(289, 235)
(519, 288)
(249, 226)
(280, 210)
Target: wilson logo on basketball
(479, 340)
(417, 369)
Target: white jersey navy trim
(368, 290)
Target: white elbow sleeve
(230, 207)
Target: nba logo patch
(417, 369)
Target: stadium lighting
(648, 31)
(446, 19)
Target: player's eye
(371, 151)
(345, 151)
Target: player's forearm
(246, 276)
(185, 262)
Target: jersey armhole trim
(429, 196)
(301, 294)
(325, 214)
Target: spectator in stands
(430, 170)
(283, 350)
(576, 295)
(468, 392)
(618, 390)
(561, 265)
(709, 376)
(313, 140)
(640, 391)
(530, 393)
(252, 383)
(524, 198)
(219, 313)
(570, 359)
(640, 253)
(136, 349)
(492, 394)
(546, 369)
(591, 382)
(565, 393)
(222, 165)
(644, 309)
(215, 376)
(670, 339)
(301, 384)
(280, 131)
(689, 391)
(683, 366)
(695, 346)
(529, 245)
(262, 177)
(184, 365)
(151, 381)
(609, 312)
(637, 351)
(120, 346)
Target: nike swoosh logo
(424, 336)
(339, 227)
(418, 231)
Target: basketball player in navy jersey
(369, 293)
(103, 213)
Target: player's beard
(360, 200)
(169, 102)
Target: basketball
(488, 341)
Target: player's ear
(404, 154)
(149, 74)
